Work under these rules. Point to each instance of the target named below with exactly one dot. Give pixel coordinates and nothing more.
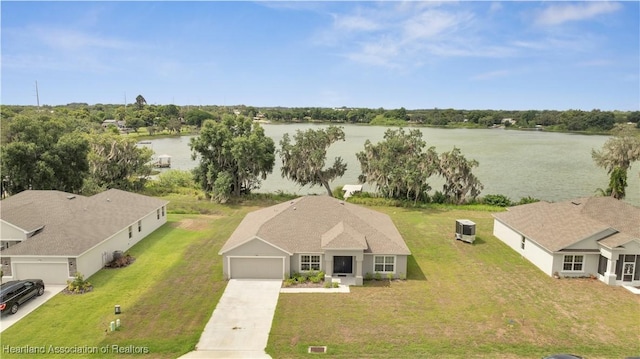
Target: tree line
(67, 148)
(156, 118)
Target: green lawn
(167, 295)
(460, 300)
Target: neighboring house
(315, 233)
(597, 236)
(52, 235)
(119, 124)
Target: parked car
(16, 292)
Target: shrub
(528, 199)
(338, 192)
(439, 197)
(378, 276)
(79, 285)
(497, 200)
(368, 276)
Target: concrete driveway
(7, 320)
(240, 324)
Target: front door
(342, 264)
(627, 272)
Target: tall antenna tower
(37, 96)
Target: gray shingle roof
(72, 225)
(305, 224)
(556, 226)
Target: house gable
(343, 236)
(255, 246)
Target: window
(162, 211)
(158, 213)
(573, 263)
(385, 264)
(139, 226)
(602, 264)
(309, 262)
(130, 232)
(522, 241)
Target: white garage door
(50, 273)
(257, 268)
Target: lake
(544, 165)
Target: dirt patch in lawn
(197, 223)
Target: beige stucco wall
(537, 255)
(95, 258)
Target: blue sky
(391, 54)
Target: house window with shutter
(309, 262)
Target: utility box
(465, 230)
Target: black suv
(14, 293)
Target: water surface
(543, 165)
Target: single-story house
(315, 233)
(52, 234)
(597, 236)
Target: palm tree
(616, 156)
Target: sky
(503, 55)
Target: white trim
(255, 257)
(249, 240)
(395, 263)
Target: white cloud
(355, 23)
(66, 39)
(559, 14)
(491, 75)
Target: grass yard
(460, 301)
(167, 295)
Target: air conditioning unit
(465, 230)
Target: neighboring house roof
(312, 224)
(71, 224)
(556, 226)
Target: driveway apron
(240, 324)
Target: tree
(234, 155)
(140, 102)
(196, 117)
(44, 153)
(303, 162)
(116, 162)
(459, 181)
(616, 156)
(399, 166)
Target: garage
(50, 273)
(256, 267)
